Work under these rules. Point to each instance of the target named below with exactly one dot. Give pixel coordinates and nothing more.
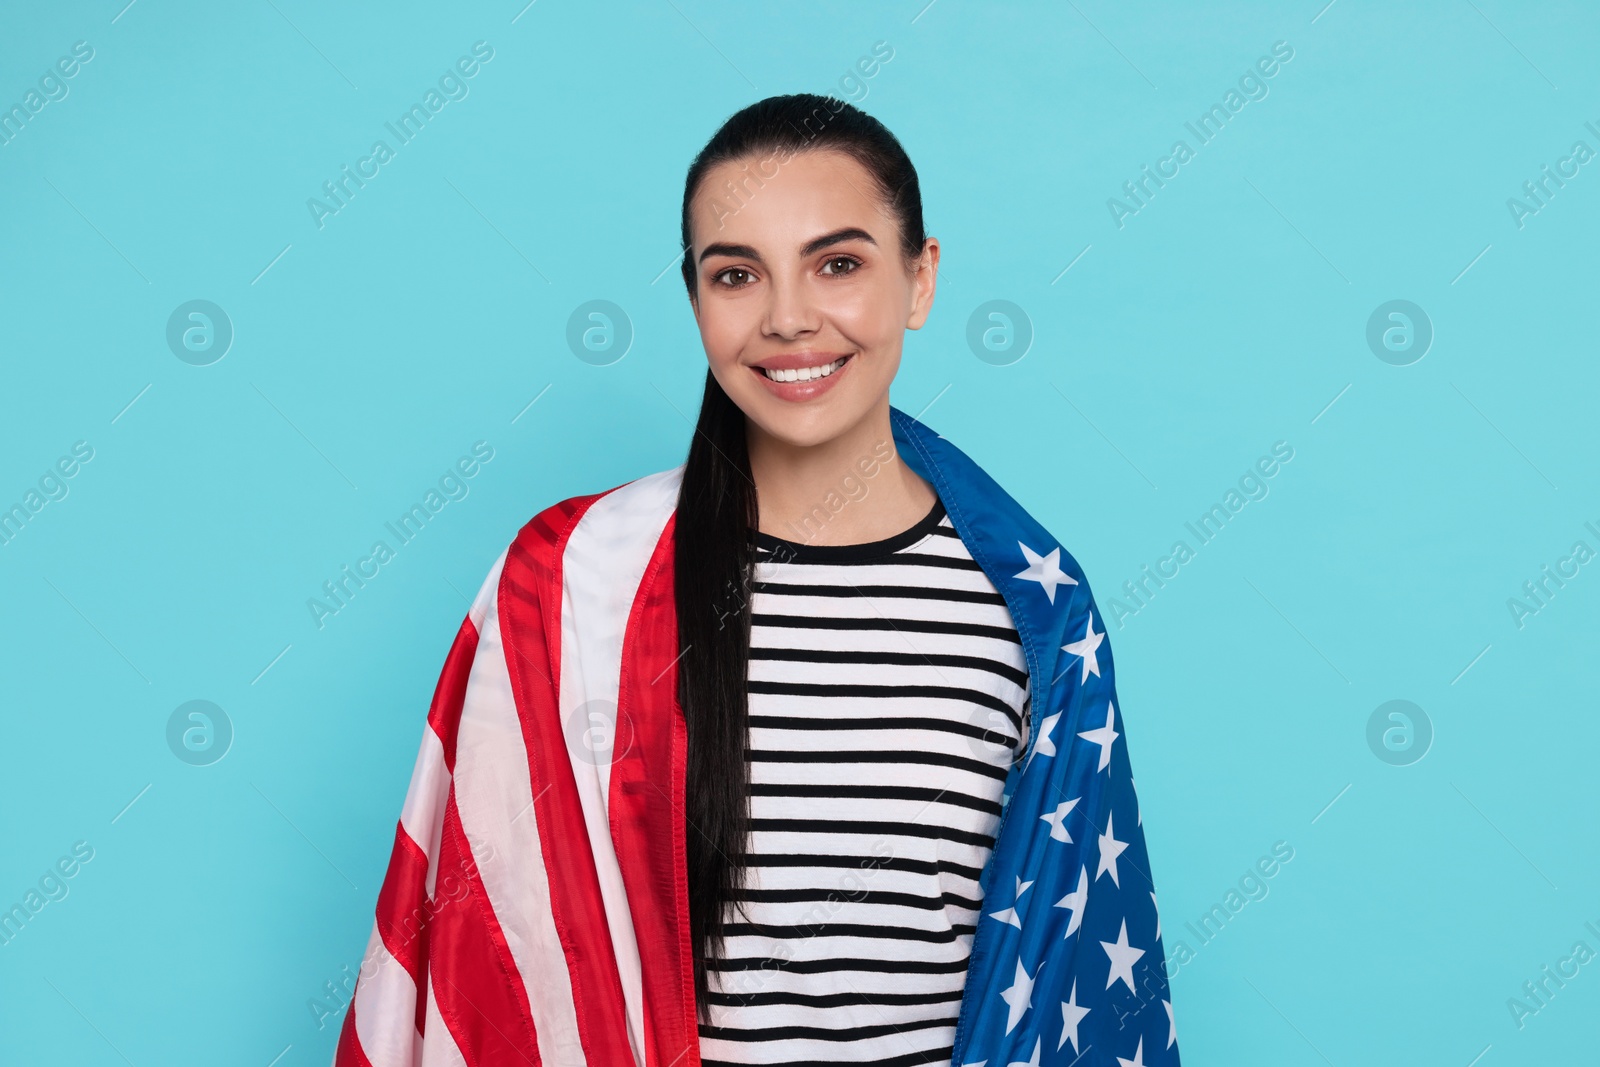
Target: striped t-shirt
(888, 696)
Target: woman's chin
(806, 425)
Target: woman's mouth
(802, 383)
(804, 374)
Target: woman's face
(798, 272)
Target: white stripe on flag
(604, 561)
(488, 592)
(423, 814)
(386, 1008)
(494, 795)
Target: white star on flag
(1172, 1024)
(1075, 900)
(1086, 648)
(1138, 1056)
(1032, 1061)
(1110, 849)
(1019, 998)
(1058, 825)
(1158, 913)
(1046, 570)
(1009, 915)
(1123, 957)
(1071, 1016)
(1044, 746)
(1102, 736)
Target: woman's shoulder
(1040, 578)
(589, 538)
(615, 512)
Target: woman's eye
(720, 275)
(850, 262)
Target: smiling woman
(842, 824)
(765, 801)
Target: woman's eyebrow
(849, 233)
(816, 244)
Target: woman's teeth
(804, 374)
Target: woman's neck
(850, 490)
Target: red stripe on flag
(404, 911)
(647, 814)
(530, 627)
(349, 1053)
(403, 906)
(480, 994)
(444, 715)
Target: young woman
(804, 751)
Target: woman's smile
(801, 376)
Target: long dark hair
(717, 514)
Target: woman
(804, 751)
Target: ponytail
(712, 558)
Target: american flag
(535, 907)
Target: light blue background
(1225, 316)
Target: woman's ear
(924, 279)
